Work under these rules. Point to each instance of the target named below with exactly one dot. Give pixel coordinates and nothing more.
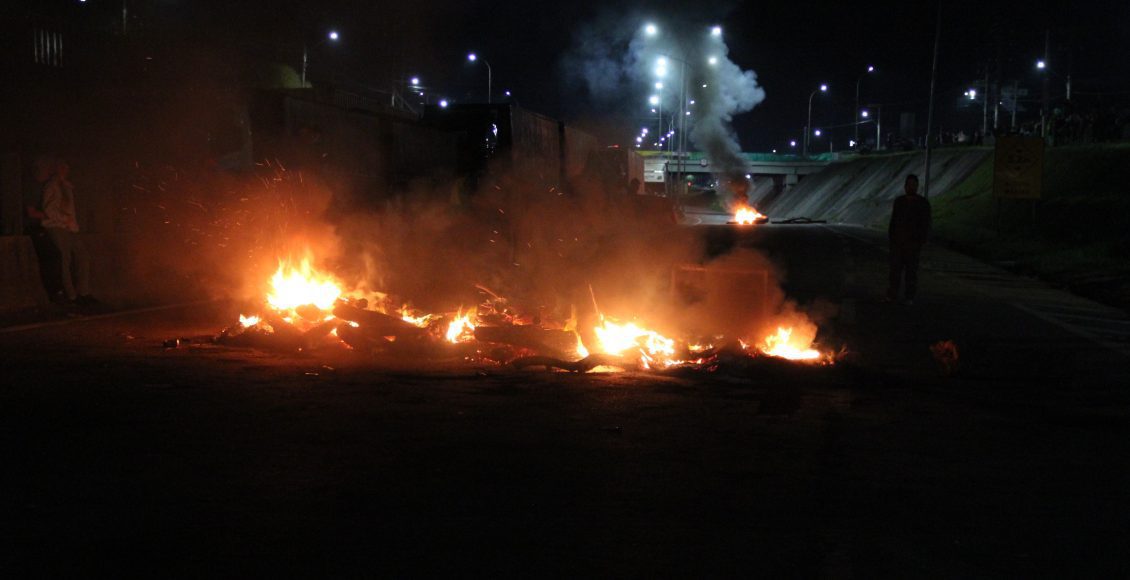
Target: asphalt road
(122, 457)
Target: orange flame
(461, 328)
(747, 215)
(784, 345)
(293, 286)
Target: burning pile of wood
(306, 310)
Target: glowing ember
(461, 328)
(295, 286)
(415, 319)
(783, 345)
(248, 321)
(748, 216)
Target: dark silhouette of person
(908, 230)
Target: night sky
(792, 46)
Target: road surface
(122, 457)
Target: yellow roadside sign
(1018, 167)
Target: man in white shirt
(61, 224)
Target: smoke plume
(620, 60)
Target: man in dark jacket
(910, 225)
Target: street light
(858, 81)
(823, 89)
(443, 103)
(306, 52)
(473, 58)
(1040, 64)
(651, 29)
(415, 81)
(716, 31)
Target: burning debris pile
(307, 309)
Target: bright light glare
(865, 114)
(645, 130)
(972, 94)
(651, 30)
(792, 143)
(661, 62)
(713, 60)
(817, 132)
(692, 101)
(415, 81)
(639, 139)
(333, 35)
(507, 93)
(823, 88)
(654, 99)
(443, 103)
(870, 68)
(472, 57)
(659, 86)
(1041, 64)
(716, 31)
(661, 72)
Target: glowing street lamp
(331, 36)
(823, 89)
(1041, 64)
(415, 81)
(716, 31)
(792, 143)
(712, 60)
(651, 29)
(653, 99)
(473, 58)
(443, 103)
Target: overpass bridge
(788, 169)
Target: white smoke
(619, 63)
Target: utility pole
(1016, 102)
(985, 117)
(930, 112)
(1044, 105)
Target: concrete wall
(20, 287)
(860, 191)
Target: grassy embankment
(1077, 235)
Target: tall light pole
(858, 81)
(473, 57)
(878, 120)
(306, 53)
(808, 126)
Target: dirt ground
(121, 456)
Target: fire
(248, 321)
(414, 319)
(301, 285)
(784, 345)
(618, 338)
(747, 215)
(461, 328)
